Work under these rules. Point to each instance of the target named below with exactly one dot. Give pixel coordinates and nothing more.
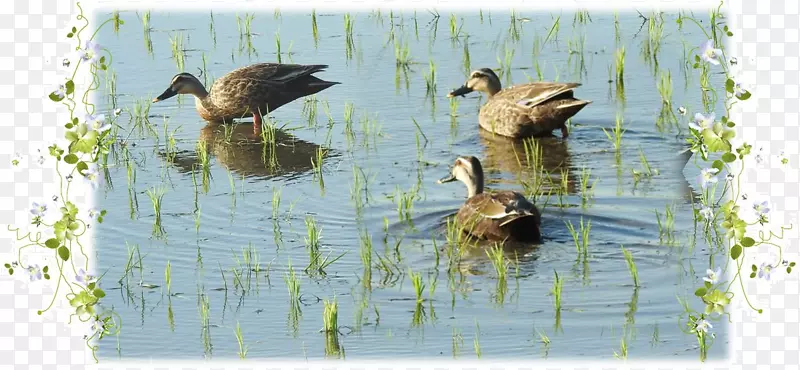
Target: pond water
(229, 242)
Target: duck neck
(493, 87)
(475, 186)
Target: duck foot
(257, 125)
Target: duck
(255, 90)
(493, 216)
(531, 109)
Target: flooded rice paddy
(207, 244)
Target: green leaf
(52, 243)
(91, 286)
(74, 30)
(754, 268)
(748, 242)
(730, 33)
(700, 292)
(746, 95)
(736, 251)
(70, 86)
(789, 270)
(69, 35)
(791, 264)
(707, 284)
(99, 293)
(730, 124)
(45, 269)
(729, 85)
(86, 143)
(718, 165)
(729, 157)
(82, 166)
(63, 252)
(102, 60)
(55, 97)
(71, 158)
(752, 275)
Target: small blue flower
(90, 52)
(92, 176)
(765, 270)
(761, 208)
(38, 209)
(707, 213)
(702, 325)
(97, 122)
(34, 272)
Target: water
(600, 303)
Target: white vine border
(60, 225)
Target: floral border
(60, 226)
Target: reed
(156, 196)
(477, 340)
(168, 278)
(314, 29)
(619, 58)
(430, 79)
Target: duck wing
(500, 205)
(535, 93)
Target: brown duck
(252, 90)
(532, 109)
(495, 216)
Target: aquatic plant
(631, 266)
(617, 132)
(581, 240)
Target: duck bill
(168, 93)
(449, 178)
(461, 91)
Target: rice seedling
(581, 17)
(204, 163)
(349, 24)
(278, 46)
(514, 29)
(178, 50)
(587, 190)
(405, 203)
(293, 285)
(655, 340)
(477, 340)
(558, 286)
(239, 339)
(455, 29)
(402, 54)
(244, 24)
(314, 29)
(457, 341)
(168, 278)
(647, 171)
(617, 132)
(505, 63)
(616, 28)
(499, 262)
(466, 59)
(619, 58)
(366, 257)
(666, 229)
(419, 286)
(430, 80)
(623, 349)
(140, 116)
(205, 323)
(277, 14)
(156, 196)
(321, 153)
(582, 245)
(631, 266)
(330, 322)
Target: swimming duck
(255, 89)
(496, 216)
(532, 109)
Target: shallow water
(600, 302)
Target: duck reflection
(236, 148)
(509, 155)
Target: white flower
(97, 122)
(733, 61)
(729, 177)
(702, 121)
(117, 112)
(65, 62)
(765, 270)
(712, 276)
(83, 278)
(92, 176)
(761, 208)
(90, 52)
(703, 325)
(98, 326)
(707, 213)
(39, 209)
(61, 91)
(709, 54)
(738, 90)
(708, 176)
(682, 110)
(34, 272)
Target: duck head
(483, 80)
(183, 83)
